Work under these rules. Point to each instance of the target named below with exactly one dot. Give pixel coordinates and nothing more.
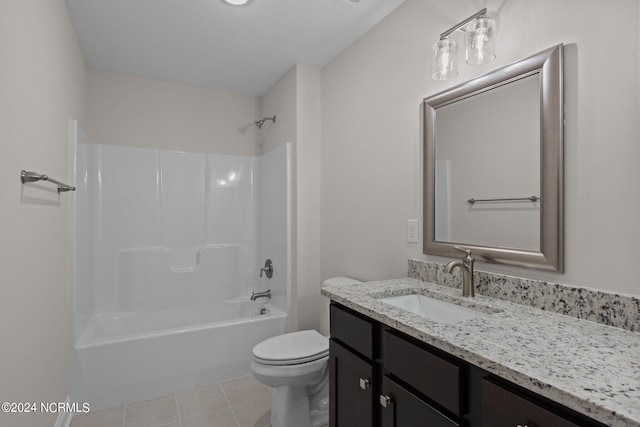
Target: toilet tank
(340, 280)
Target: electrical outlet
(412, 231)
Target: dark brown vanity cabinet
(380, 377)
(353, 386)
(361, 396)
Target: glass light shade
(445, 62)
(480, 41)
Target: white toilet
(296, 366)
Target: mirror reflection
(488, 149)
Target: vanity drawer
(437, 378)
(352, 330)
(504, 407)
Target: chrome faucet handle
(268, 269)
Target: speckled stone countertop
(591, 368)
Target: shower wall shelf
(26, 176)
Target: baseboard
(64, 418)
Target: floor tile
(262, 421)
(151, 413)
(241, 402)
(112, 417)
(200, 400)
(222, 417)
(254, 411)
(245, 389)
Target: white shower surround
(165, 247)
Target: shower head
(259, 123)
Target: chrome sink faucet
(466, 267)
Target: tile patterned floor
(242, 402)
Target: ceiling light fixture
(236, 2)
(479, 32)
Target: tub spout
(265, 294)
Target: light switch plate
(412, 231)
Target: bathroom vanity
(510, 366)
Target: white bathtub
(127, 357)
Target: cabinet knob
(385, 401)
(522, 425)
(364, 383)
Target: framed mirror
(493, 165)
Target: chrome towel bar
(515, 199)
(33, 176)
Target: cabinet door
(503, 407)
(401, 408)
(351, 389)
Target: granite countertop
(586, 366)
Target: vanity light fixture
(479, 37)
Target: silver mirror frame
(549, 64)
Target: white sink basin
(432, 309)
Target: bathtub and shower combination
(165, 251)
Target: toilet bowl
(296, 366)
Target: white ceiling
(209, 43)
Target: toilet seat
(292, 349)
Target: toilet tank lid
(340, 280)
